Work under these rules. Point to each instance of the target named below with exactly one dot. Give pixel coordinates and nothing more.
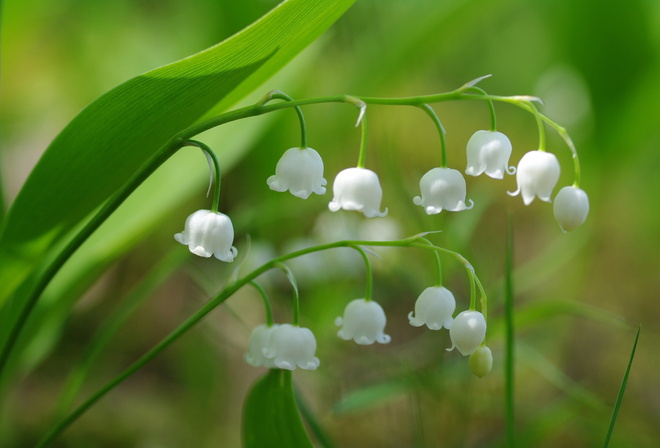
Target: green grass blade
(114, 136)
(509, 367)
(271, 418)
(622, 390)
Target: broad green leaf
(111, 138)
(271, 418)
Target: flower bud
(357, 189)
(489, 152)
(290, 346)
(538, 173)
(259, 340)
(299, 170)
(207, 233)
(481, 361)
(571, 207)
(442, 188)
(467, 332)
(364, 322)
(434, 307)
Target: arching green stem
(296, 294)
(541, 125)
(491, 108)
(267, 306)
(209, 306)
(369, 273)
(278, 94)
(216, 174)
(473, 291)
(438, 263)
(362, 157)
(441, 131)
(41, 279)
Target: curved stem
(541, 125)
(369, 273)
(491, 107)
(362, 157)
(278, 94)
(438, 263)
(215, 170)
(473, 291)
(296, 294)
(170, 147)
(266, 300)
(227, 292)
(441, 131)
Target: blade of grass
(622, 389)
(509, 372)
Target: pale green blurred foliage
(597, 68)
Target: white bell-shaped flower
(207, 233)
(538, 173)
(357, 189)
(467, 332)
(571, 207)
(364, 322)
(299, 170)
(481, 361)
(489, 152)
(442, 188)
(259, 341)
(434, 307)
(290, 346)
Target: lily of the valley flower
(434, 307)
(207, 233)
(538, 173)
(291, 346)
(299, 170)
(467, 332)
(259, 340)
(442, 188)
(571, 207)
(481, 361)
(364, 322)
(489, 152)
(357, 189)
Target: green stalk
(441, 131)
(369, 273)
(491, 108)
(296, 294)
(205, 310)
(362, 157)
(176, 142)
(278, 94)
(113, 324)
(622, 390)
(509, 372)
(215, 170)
(267, 306)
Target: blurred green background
(579, 297)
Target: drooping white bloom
(467, 332)
(571, 207)
(481, 361)
(489, 151)
(538, 173)
(299, 170)
(442, 188)
(207, 233)
(357, 189)
(364, 322)
(290, 346)
(259, 341)
(434, 307)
